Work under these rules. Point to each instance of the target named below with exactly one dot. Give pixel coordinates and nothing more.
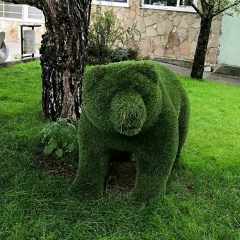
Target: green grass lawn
(202, 201)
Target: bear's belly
(129, 144)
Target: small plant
(17, 56)
(106, 34)
(60, 137)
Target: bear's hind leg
(183, 125)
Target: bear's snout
(128, 113)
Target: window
(34, 13)
(10, 11)
(174, 5)
(120, 3)
(24, 13)
(13, 11)
(1, 9)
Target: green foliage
(135, 107)
(122, 54)
(202, 200)
(17, 56)
(60, 137)
(107, 39)
(210, 9)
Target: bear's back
(169, 82)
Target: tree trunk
(63, 55)
(201, 49)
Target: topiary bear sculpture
(136, 107)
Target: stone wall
(169, 34)
(162, 33)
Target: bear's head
(123, 97)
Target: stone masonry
(169, 34)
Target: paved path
(14, 50)
(210, 76)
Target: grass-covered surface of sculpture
(135, 107)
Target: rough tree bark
(201, 49)
(63, 55)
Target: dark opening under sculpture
(136, 107)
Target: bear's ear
(92, 76)
(147, 68)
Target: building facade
(230, 41)
(13, 16)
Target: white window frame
(24, 15)
(178, 8)
(27, 19)
(111, 3)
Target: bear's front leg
(93, 161)
(154, 165)
(92, 171)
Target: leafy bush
(108, 38)
(122, 54)
(60, 138)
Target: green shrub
(107, 38)
(60, 138)
(122, 54)
(136, 107)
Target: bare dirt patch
(120, 180)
